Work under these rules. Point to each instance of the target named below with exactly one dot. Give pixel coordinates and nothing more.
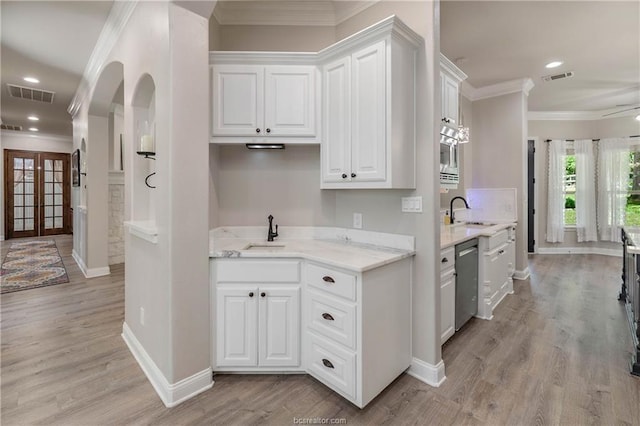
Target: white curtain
(555, 193)
(585, 191)
(613, 181)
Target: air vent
(30, 93)
(558, 76)
(10, 127)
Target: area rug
(32, 264)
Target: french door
(36, 193)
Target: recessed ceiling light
(638, 117)
(31, 80)
(554, 64)
(33, 118)
(33, 129)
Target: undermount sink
(264, 247)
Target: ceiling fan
(628, 107)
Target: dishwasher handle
(468, 251)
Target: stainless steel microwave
(449, 172)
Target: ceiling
(491, 41)
(52, 41)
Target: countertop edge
(486, 232)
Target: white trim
(499, 89)
(433, 375)
(37, 135)
(89, 273)
(262, 58)
(580, 250)
(146, 230)
(171, 394)
(579, 115)
(451, 68)
(118, 17)
(521, 275)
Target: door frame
(39, 190)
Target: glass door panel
(55, 187)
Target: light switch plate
(357, 220)
(412, 204)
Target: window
(570, 190)
(632, 217)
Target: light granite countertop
(451, 235)
(350, 249)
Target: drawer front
(260, 271)
(447, 260)
(498, 239)
(332, 365)
(332, 318)
(334, 282)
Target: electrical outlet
(357, 220)
(141, 315)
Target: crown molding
(306, 13)
(262, 58)
(578, 115)
(499, 89)
(451, 68)
(118, 17)
(34, 135)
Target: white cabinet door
(238, 92)
(368, 114)
(447, 305)
(336, 149)
(450, 100)
(290, 101)
(237, 325)
(279, 327)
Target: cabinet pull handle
(500, 251)
(444, 260)
(268, 130)
(344, 176)
(328, 279)
(353, 175)
(258, 130)
(263, 294)
(251, 294)
(327, 316)
(327, 363)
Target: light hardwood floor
(556, 352)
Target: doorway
(37, 193)
(531, 181)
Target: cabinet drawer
(260, 271)
(333, 366)
(332, 318)
(447, 259)
(334, 282)
(498, 239)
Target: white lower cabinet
(354, 333)
(495, 270)
(257, 324)
(447, 294)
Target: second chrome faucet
(271, 235)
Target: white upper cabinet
(450, 78)
(267, 103)
(368, 106)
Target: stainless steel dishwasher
(466, 281)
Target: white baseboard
(433, 375)
(580, 250)
(171, 394)
(89, 273)
(521, 275)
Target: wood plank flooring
(556, 352)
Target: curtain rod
(594, 140)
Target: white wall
(27, 142)
(168, 279)
(571, 129)
(499, 155)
